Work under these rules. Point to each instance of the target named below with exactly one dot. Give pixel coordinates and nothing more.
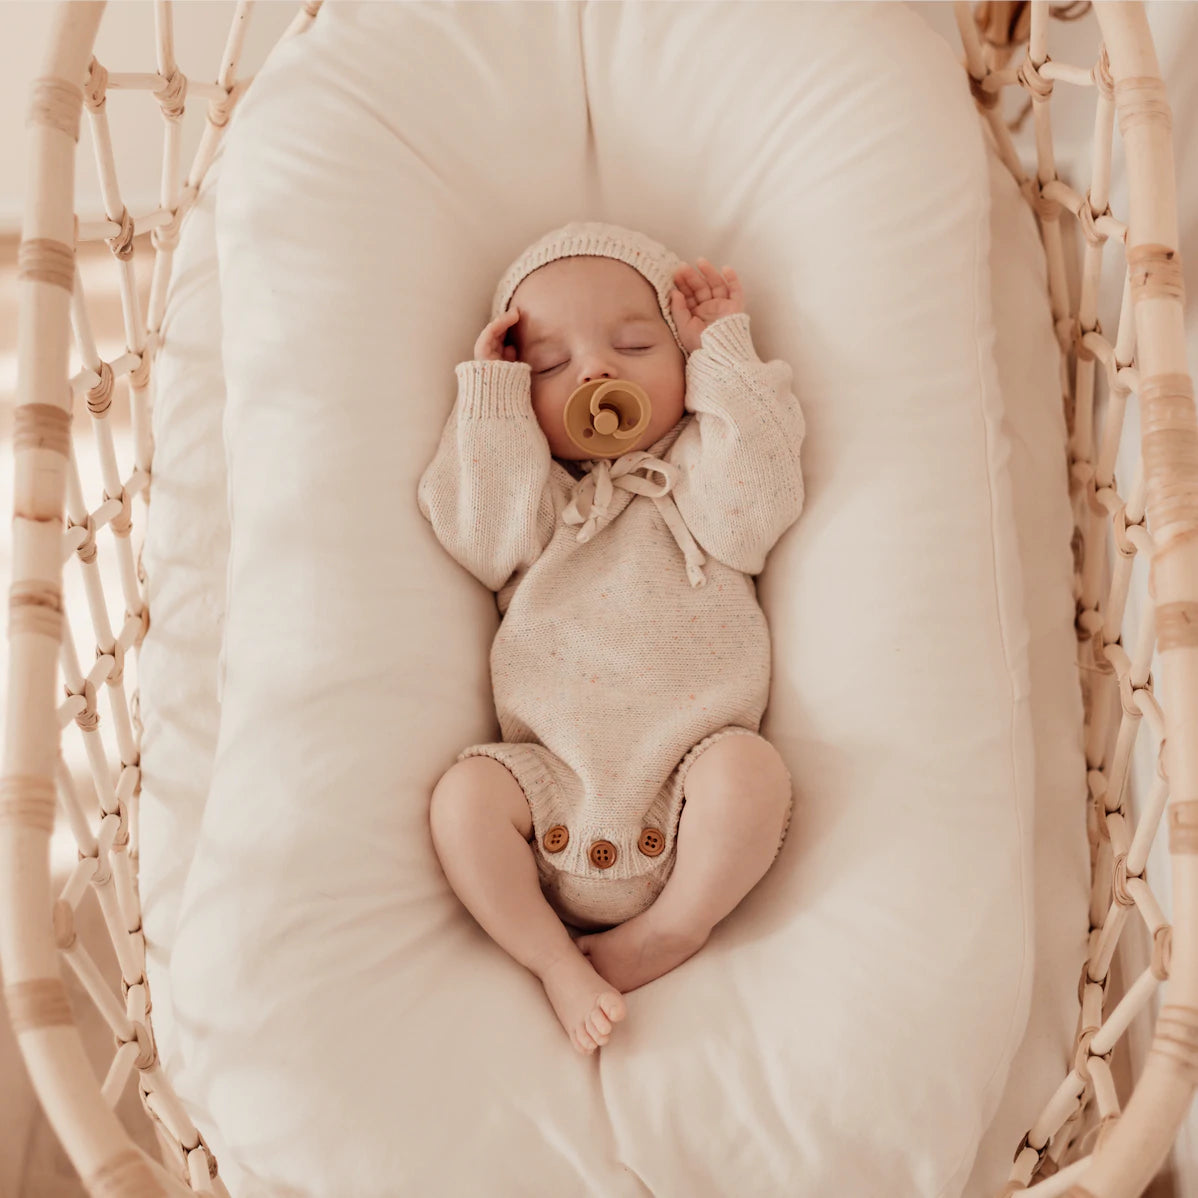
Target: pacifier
(605, 416)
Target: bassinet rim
(98, 1145)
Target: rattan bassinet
(1159, 517)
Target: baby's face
(588, 317)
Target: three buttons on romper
(602, 853)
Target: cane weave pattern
(1064, 1139)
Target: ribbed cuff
(729, 338)
(494, 388)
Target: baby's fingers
(692, 284)
(490, 340)
(503, 323)
(711, 276)
(722, 285)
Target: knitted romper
(623, 652)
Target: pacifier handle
(603, 417)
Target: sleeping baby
(632, 797)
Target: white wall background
(126, 42)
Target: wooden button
(603, 854)
(651, 842)
(556, 838)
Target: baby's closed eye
(626, 350)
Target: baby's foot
(586, 1005)
(638, 951)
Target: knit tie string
(590, 502)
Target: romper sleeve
(486, 491)
(740, 485)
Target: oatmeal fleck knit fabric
(630, 624)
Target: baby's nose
(598, 368)
(597, 362)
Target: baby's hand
(703, 298)
(489, 347)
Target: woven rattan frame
(52, 523)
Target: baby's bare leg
(737, 795)
(481, 826)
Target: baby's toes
(599, 1027)
(612, 1004)
(583, 1042)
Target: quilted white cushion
(1032, 422)
(184, 558)
(344, 1026)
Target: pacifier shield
(605, 416)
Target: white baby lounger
(894, 1010)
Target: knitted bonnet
(642, 253)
